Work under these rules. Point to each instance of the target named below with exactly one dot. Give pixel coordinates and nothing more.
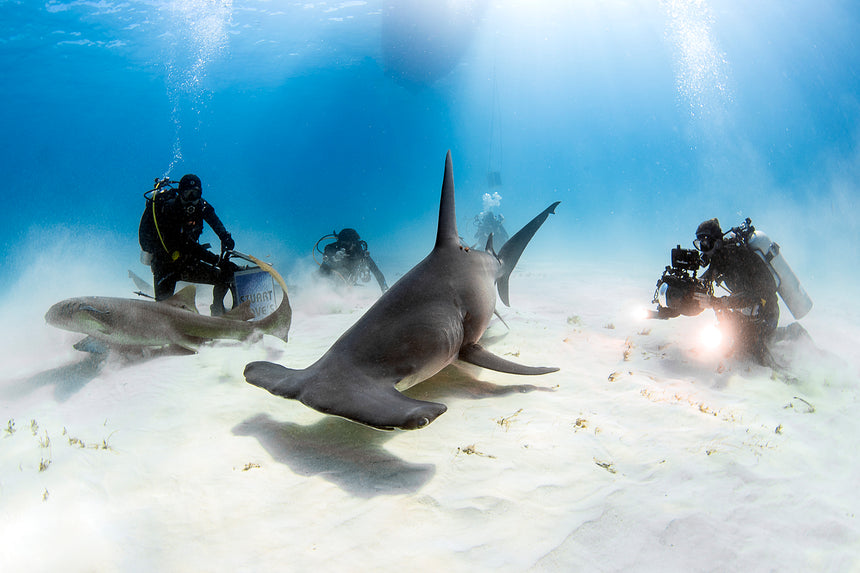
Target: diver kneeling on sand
(748, 265)
(347, 257)
(169, 231)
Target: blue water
(643, 118)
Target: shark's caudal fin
(511, 251)
(277, 323)
(446, 234)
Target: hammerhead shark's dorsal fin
(446, 234)
(185, 299)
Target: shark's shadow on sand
(346, 454)
(70, 379)
(67, 380)
(352, 456)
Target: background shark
(433, 315)
(129, 324)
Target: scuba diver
(751, 308)
(750, 267)
(169, 231)
(347, 257)
(485, 224)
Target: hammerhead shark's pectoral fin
(379, 405)
(272, 377)
(480, 356)
(372, 402)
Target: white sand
(648, 456)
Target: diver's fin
(512, 250)
(185, 299)
(480, 356)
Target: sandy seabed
(643, 453)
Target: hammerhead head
(433, 315)
(134, 324)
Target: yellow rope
(175, 254)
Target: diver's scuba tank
(162, 189)
(787, 284)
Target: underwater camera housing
(674, 294)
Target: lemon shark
(435, 314)
(135, 324)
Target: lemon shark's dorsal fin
(185, 299)
(446, 234)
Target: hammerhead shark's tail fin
(510, 252)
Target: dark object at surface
(424, 40)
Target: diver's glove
(227, 243)
(202, 253)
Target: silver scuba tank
(788, 285)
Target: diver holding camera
(746, 264)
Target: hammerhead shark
(435, 314)
(135, 324)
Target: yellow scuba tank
(788, 285)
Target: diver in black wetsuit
(170, 228)
(347, 257)
(751, 308)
